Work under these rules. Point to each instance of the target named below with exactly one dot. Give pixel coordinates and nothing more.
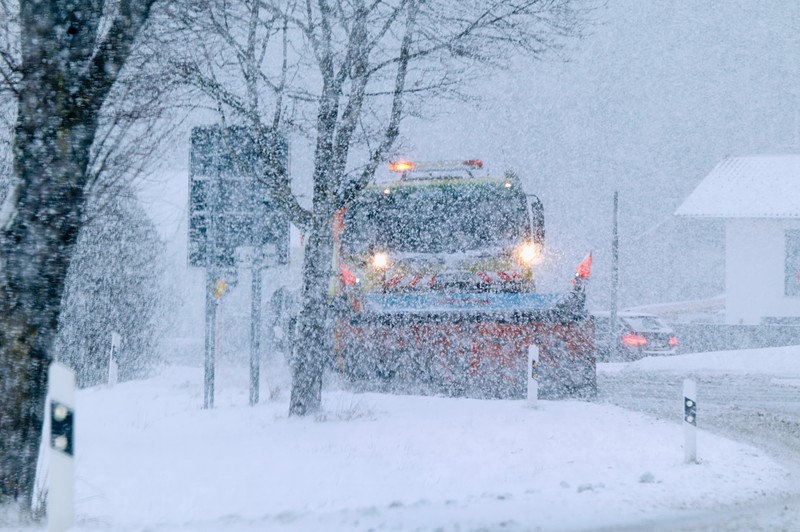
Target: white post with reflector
(113, 359)
(690, 421)
(532, 370)
(61, 489)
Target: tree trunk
(39, 228)
(21, 417)
(313, 338)
(35, 248)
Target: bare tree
(68, 58)
(347, 73)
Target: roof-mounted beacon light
(401, 166)
(431, 167)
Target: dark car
(637, 335)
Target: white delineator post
(113, 359)
(690, 421)
(533, 375)
(61, 489)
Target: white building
(759, 199)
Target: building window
(792, 272)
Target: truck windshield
(436, 218)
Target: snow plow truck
(436, 280)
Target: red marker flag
(348, 276)
(584, 270)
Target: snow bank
(783, 361)
(149, 458)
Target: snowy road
(761, 409)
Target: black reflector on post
(61, 428)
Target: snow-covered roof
(760, 186)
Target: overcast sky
(648, 104)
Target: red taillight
(634, 340)
(673, 341)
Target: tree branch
(351, 189)
(112, 52)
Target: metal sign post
(533, 376)
(61, 489)
(210, 340)
(255, 329)
(690, 421)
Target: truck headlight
(380, 260)
(528, 254)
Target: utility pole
(614, 278)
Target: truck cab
(441, 231)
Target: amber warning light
(435, 166)
(401, 166)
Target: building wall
(755, 262)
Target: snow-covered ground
(149, 458)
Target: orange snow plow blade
(474, 357)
